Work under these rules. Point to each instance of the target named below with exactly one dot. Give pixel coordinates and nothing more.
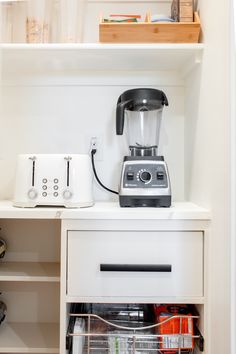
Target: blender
(144, 179)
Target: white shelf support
(191, 64)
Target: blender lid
(143, 99)
(140, 99)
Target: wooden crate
(149, 32)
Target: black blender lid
(148, 97)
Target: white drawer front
(180, 252)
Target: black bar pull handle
(166, 268)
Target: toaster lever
(67, 194)
(33, 158)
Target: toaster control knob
(32, 194)
(67, 194)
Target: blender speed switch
(130, 176)
(160, 176)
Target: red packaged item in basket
(178, 331)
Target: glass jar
(38, 26)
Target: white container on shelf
(71, 20)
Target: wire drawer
(90, 333)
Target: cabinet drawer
(133, 263)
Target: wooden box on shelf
(150, 32)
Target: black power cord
(93, 152)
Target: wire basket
(90, 334)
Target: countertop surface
(107, 210)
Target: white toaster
(53, 180)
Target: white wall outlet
(96, 142)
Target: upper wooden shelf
(68, 58)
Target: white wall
(208, 165)
(62, 119)
(233, 176)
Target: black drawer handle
(135, 268)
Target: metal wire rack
(90, 334)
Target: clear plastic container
(143, 127)
(71, 20)
(38, 21)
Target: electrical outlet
(96, 142)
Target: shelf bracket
(191, 64)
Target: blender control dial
(145, 176)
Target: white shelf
(8, 211)
(3, 1)
(58, 58)
(30, 271)
(29, 338)
(107, 210)
(133, 299)
(112, 211)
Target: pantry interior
(56, 96)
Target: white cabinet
(37, 293)
(128, 258)
(134, 264)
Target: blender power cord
(93, 152)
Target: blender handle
(120, 116)
(164, 100)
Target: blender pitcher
(141, 111)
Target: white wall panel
(31, 240)
(31, 302)
(208, 167)
(61, 119)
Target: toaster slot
(68, 174)
(68, 159)
(33, 158)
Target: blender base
(163, 201)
